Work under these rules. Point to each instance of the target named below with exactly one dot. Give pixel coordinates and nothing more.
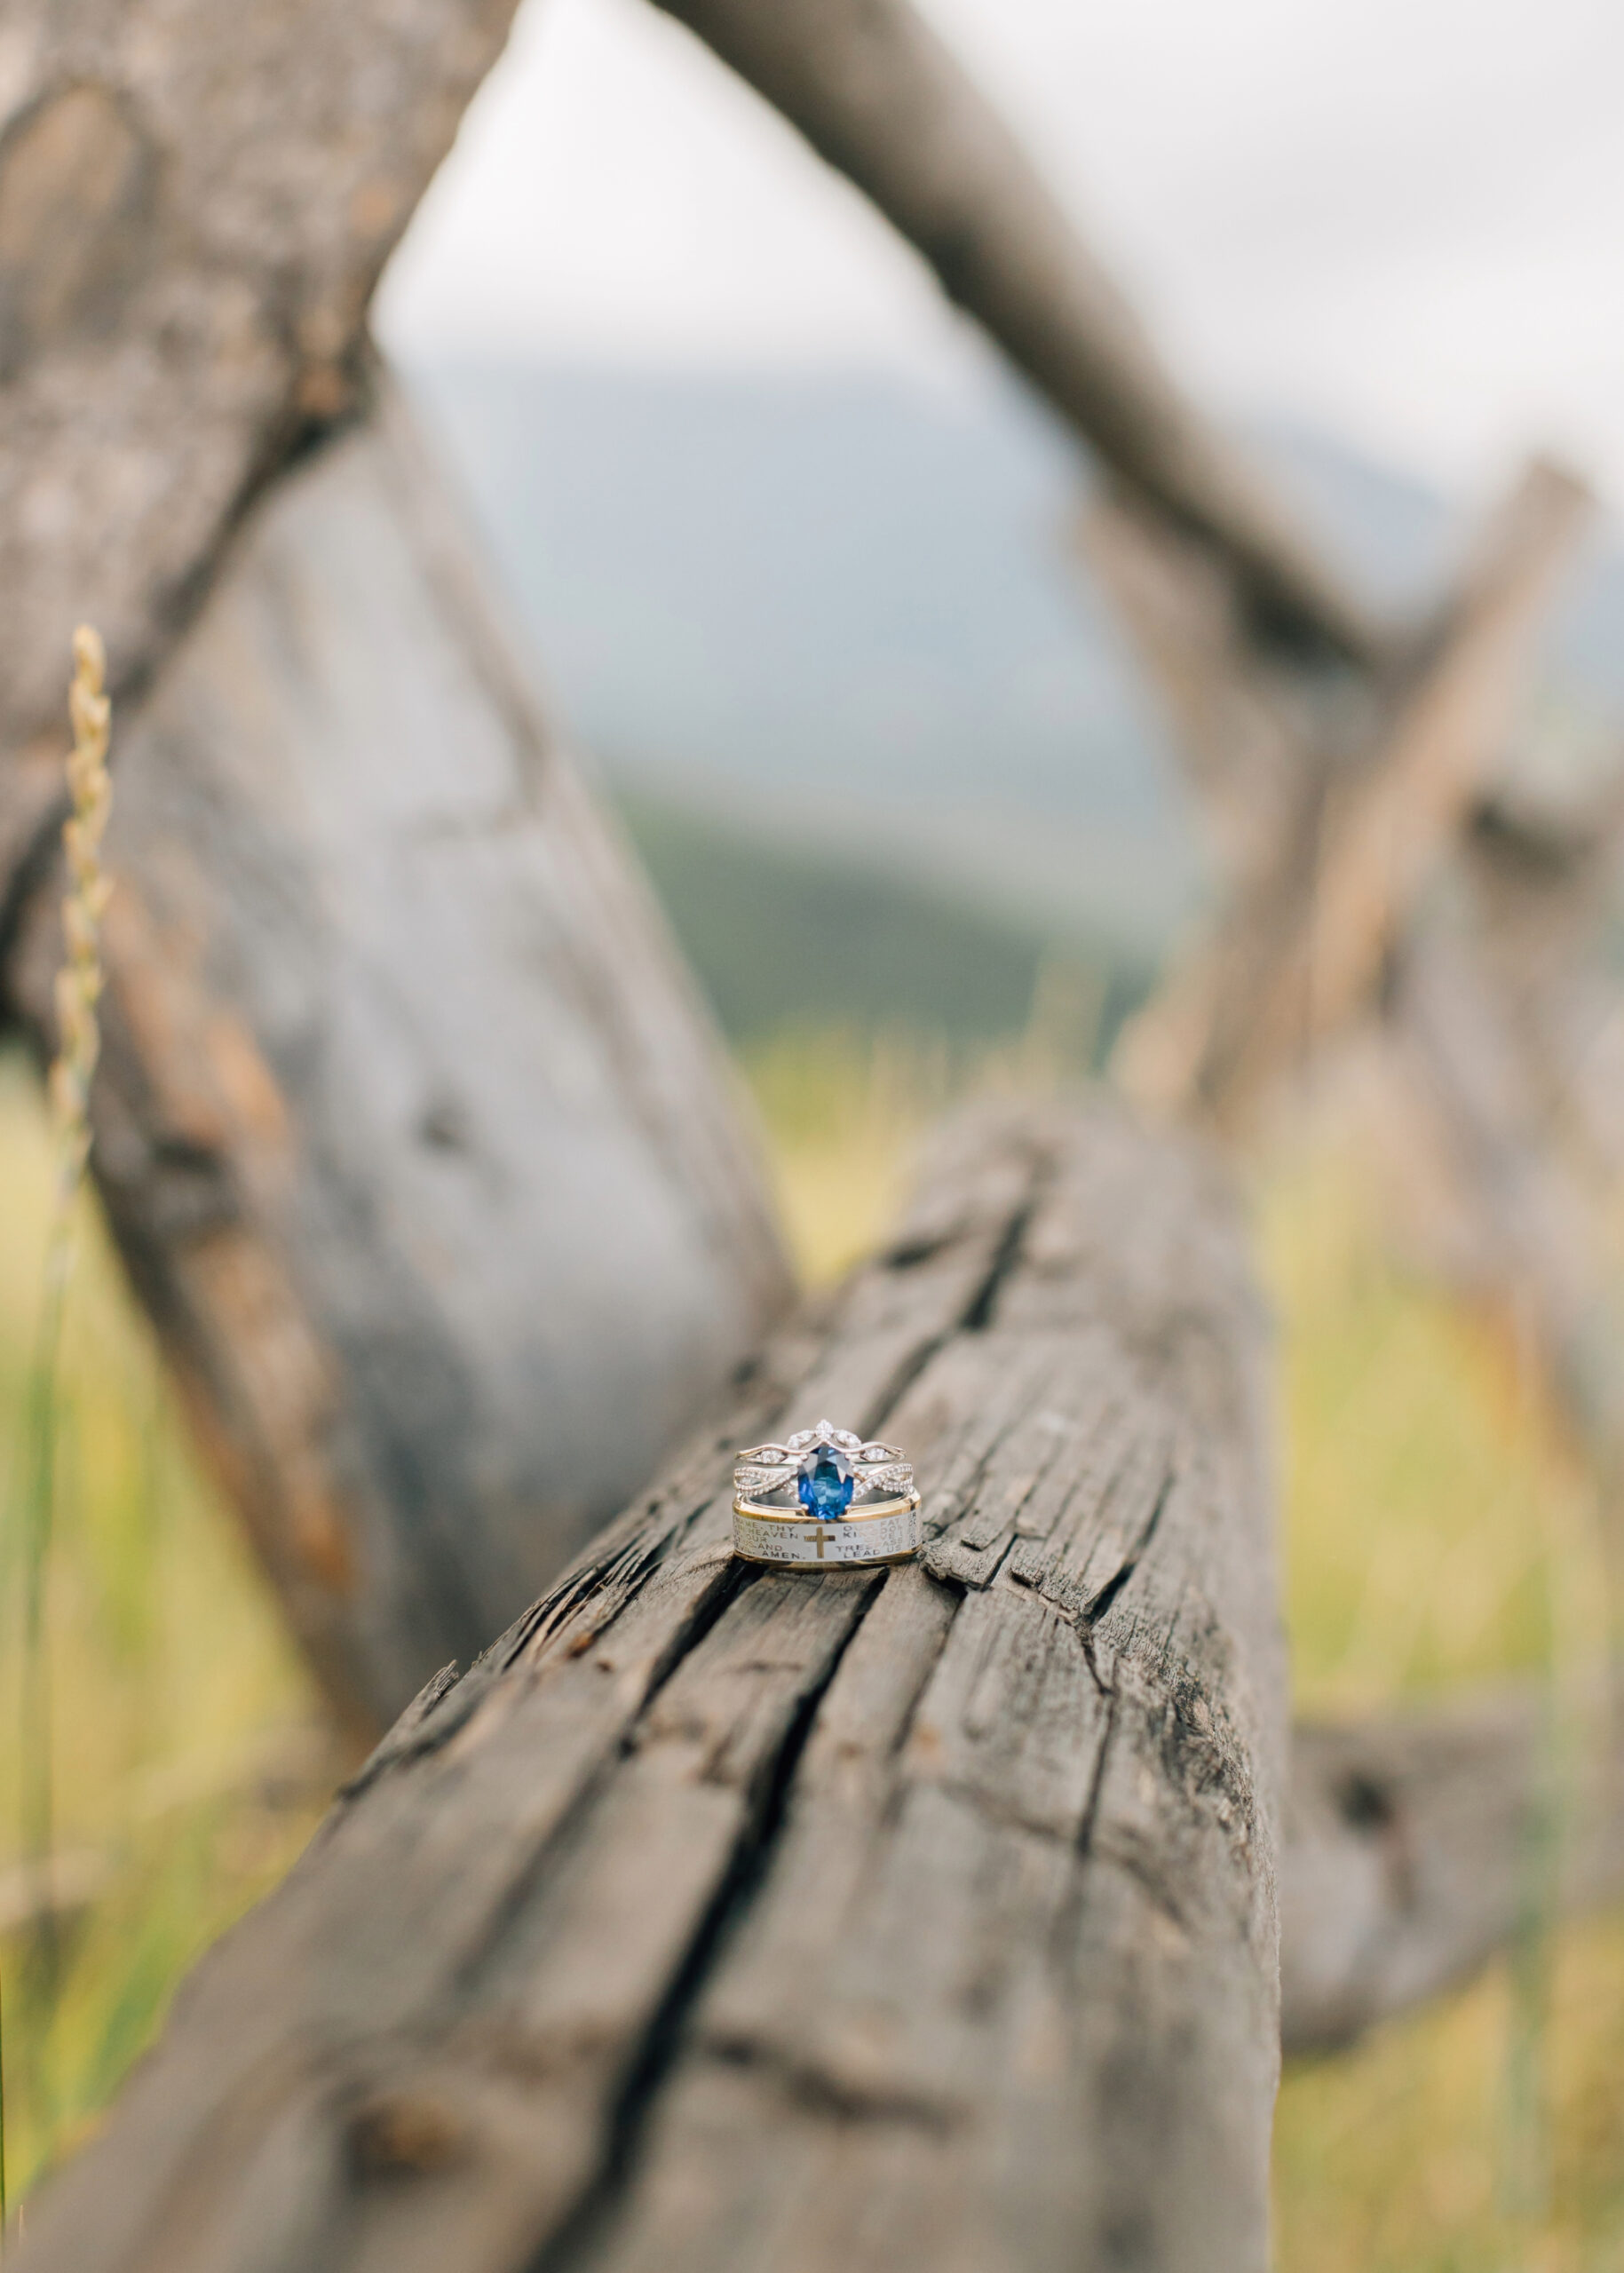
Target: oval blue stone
(825, 1483)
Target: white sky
(1401, 219)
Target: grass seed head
(79, 982)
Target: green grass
(1435, 1536)
(1433, 1532)
(187, 1763)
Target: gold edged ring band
(884, 1530)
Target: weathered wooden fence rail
(720, 1919)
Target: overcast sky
(1401, 219)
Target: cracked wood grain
(720, 1919)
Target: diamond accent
(896, 1477)
(825, 1433)
(756, 1480)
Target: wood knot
(1363, 1804)
(403, 2134)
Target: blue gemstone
(824, 1485)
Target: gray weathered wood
(193, 209)
(1416, 1847)
(1360, 824)
(1338, 810)
(422, 1155)
(196, 202)
(1529, 1230)
(419, 1147)
(1543, 880)
(720, 1919)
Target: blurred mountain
(840, 605)
(841, 618)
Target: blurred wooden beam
(1536, 1248)
(879, 95)
(1357, 833)
(422, 1157)
(1419, 1846)
(196, 202)
(419, 1147)
(1542, 880)
(1247, 721)
(1334, 808)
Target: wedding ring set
(822, 1497)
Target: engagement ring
(824, 1496)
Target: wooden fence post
(418, 1144)
(419, 1149)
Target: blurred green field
(838, 939)
(1433, 1535)
(190, 1761)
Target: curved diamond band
(812, 1468)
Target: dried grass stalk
(79, 982)
(78, 990)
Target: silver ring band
(886, 1532)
